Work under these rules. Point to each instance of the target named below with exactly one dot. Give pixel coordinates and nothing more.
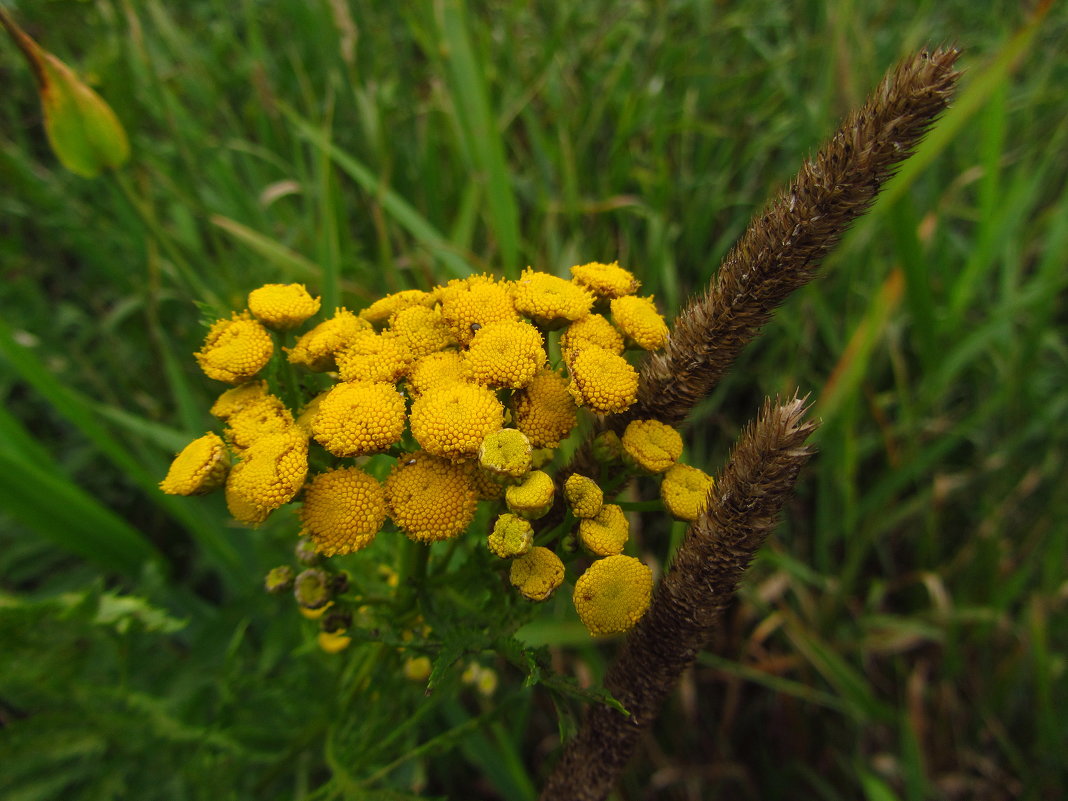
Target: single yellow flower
(549, 299)
(537, 573)
(282, 306)
(343, 510)
(640, 322)
(200, 467)
(505, 455)
(235, 350)
(241, 508)
(421, 329)
(451, 420)
(374, 357)
(430, 498)
(359, 417)
(469, 304)
(333, 642)
(684, 491)
(234, 400)
(593, 329)
(505, 353)
(272, 470)
(533, 497)
(653, 446)
(417, 668)
(613, 594)
(316, 349)
(511, 536)
(603, 381)
(384, 308)
(436, 368)
(268, 415)
(606, 280)
(606, 533)
(583, 495)
(545, 410)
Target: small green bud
(306, 553)
(505, 455)
(279, 580)
(607, 447)
(311, 588)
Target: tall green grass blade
(288, 261)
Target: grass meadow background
(903, 637)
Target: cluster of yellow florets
(468, 388)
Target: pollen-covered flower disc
(359, 417)
(640, 322)
(537, 573)
(316, 349)
(282, 306)
(382, 309)
(343, 510)
(241, 508)
(592, 330)
(606, 280)
(442, 367)
(505, 354)
(235, 350)
(273, 470)
(374, 357)
(603, 381)
(544, 409)
(684, 491)
(451, 420)
(583, 496)
(200, 467)
(548, 298)
(430, 498)
(613, 594)
(652, 445)
(533, 497)
(511, 536)
(421, 329)
(469, 304)
(234, 400)
(268, 415)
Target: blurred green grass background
(903, 637)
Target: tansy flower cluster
(401, 418)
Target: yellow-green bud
(583, 496)
(505, 455)
(511, 536)
(279, 580)
(311, 588)
(607, 447)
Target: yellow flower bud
(417, 668)
(282, 306)
(684, 491)
(235, 350)
(606, 280)
(468, 304)
(511, 536)
(384, 308)
(550, 300)
(603, 381)
(545, 410)
(652, 445)
(640, 322)
(533, 498)
(505, 455)
(537, 573)
(583, 496)
(316, 349)
(606, 533)
(200, 467)
(234, 400)
(505, 353)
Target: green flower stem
(412, 574)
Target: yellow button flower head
(359, 417)
(374, 357)
(333, 642)
(469, 304)
(537, 573)
(684, 491)
(384, 308)
(640, 322)
(241, 508)
(652, 445)
(421, 329)
(236, 399)
(545, 410)
(532, 498)
(282, 306)
(200, 467)
(273, 470)
(451, 420)
(315, 350)
(417, 668)
(430, 498)
(505, 455)
(511, 536)
(607, 533)
(603, 381)
(606, 280)
(235, 350)
(593, 329)
(268, 415)
(437, 368)
(583, 495)
(549, 299)
(613, 594)
(343, 510)
(506, 353)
